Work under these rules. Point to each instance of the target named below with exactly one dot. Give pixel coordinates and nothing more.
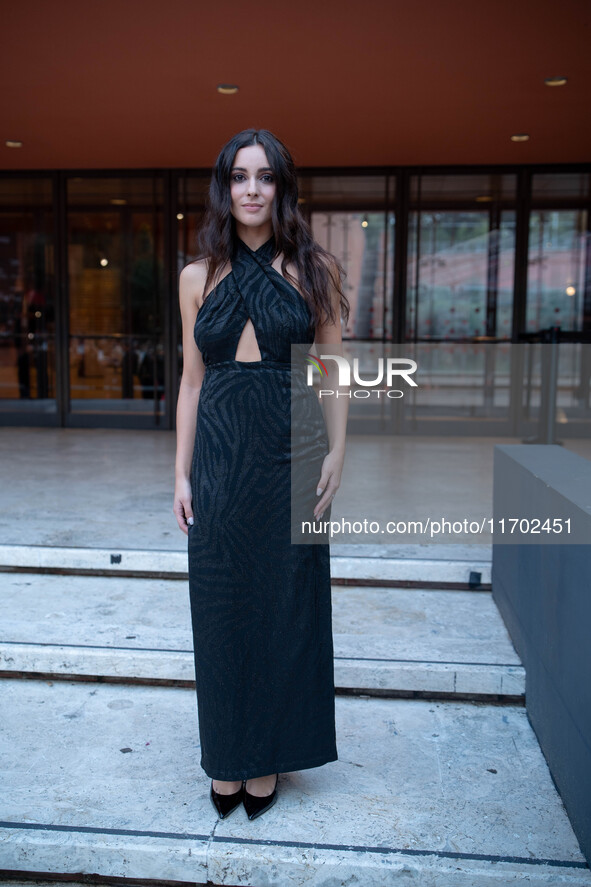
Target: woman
(260, 605)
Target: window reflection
(116, 287)
(556, 269)
(27, 288)
(441, 188)
(548, 187)
(364, 244)
(460, 275)
(340, 191)
(115, 367)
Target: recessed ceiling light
(484, 198)
(180, 216)
(570, 290)
(520, 137)
(227, 88)
(554, 81)
(13, 143)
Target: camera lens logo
(316, 362)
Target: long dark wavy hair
(216, 241)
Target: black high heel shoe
(225, 804)
(256, 806)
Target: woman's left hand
(330, 481)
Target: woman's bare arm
(191, 284)
(329, 340)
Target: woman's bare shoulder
(196, 270)
(192, 279)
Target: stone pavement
(440, 779)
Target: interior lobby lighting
(180, 216)
(555, 81)
(118, 201)
(520, 137)
(13, 143)
(484, 198)
(364, 222)
(227, 88)
(570, 290)
(104, 262)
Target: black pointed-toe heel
(255, 806)
(226, 804)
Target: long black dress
(260, 604)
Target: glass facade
(363, 242)
(115, 282)
(460, 275)
(27, 297)
(90, 331)
(556, 268)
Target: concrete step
(352, 565)
(106, 779)
(394, 641)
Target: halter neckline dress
(260, 605)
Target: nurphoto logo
(387, 369)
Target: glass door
(27, 302)
(116, 313)
(558, 295)
(459, 310)
(460, 275)
(556, 269)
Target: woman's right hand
(183, 507)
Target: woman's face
(252, 187)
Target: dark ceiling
(132, 83)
